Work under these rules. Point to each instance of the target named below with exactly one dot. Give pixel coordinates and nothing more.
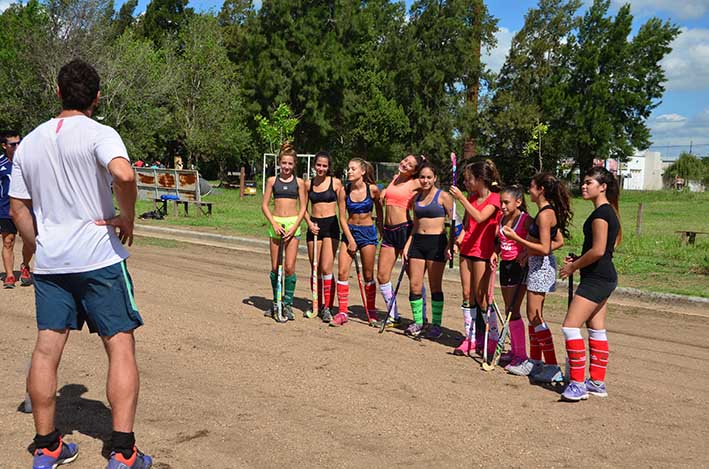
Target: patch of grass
(163, 243)
(656, 260)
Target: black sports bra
(326, 196)
(534, 228)
(285, 190)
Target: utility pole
(469, 143)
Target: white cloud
(687, 66)
(675, 129)
(495, 58)
(683, 9)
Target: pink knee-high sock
(546, 341)
(333, 289)
(370, 290)
(326, 284)
(519, 341)
(598, 346)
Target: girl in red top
(477, 245)
(513, 263)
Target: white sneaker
(527, 367)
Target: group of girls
(497, 234)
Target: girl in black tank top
(602, 233)
(322, 222)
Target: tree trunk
(470, 149)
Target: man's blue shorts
(102, 298)
(363, 235)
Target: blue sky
(683, 115)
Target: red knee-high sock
(326, 285)
(343, 294)
(576, 351)
(535, 350)
(370, 290)
(599, 358)
(333, 287)
(547, 344)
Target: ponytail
(559, 197)
(487, 172)
(368, 170)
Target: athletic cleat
(288, 311)
(597, 388)
(575, 392)
(137, 461)
(414, 330)
(25, 276)
(9, 282)
(340, 319)
(269, 313)
(548, 374)
(434, 332)
(464, 348)
(528, 367)
(326, 315)
(64, 454)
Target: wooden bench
(689, 236)
(162, 207)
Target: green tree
(164, 18)
(208, 108)
(278, 129)
(688, 167)
(612, 84)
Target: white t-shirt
(62, 166)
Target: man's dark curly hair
(78, 83)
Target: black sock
(479, 320)
(50, 442)
(123, 443)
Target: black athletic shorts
(395, 236)
(511, 273)
(7, 226)
(431, 247)
(329, 228)
(595, 289)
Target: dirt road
(224, 387)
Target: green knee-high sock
(417, 308)
(290, 289)
(274, 284)
(437, 307)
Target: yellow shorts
(287, 223)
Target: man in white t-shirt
(63, 173)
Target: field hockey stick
(280, 317)
(359, 282)
(505, 328)
(571, 284)
(451, 241)
(393, 298)
(490, 300)
(314, 281)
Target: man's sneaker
(340, 319)
(548, 374)
(434, 332)
(288, 311)
(326, 315)
(464, 348)
(414, 330)
(575, 392)
(9, 282)
(137, 461)
(64, 454)
(597, 388)
(25, 277)
(527, 367)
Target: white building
(643, 172)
